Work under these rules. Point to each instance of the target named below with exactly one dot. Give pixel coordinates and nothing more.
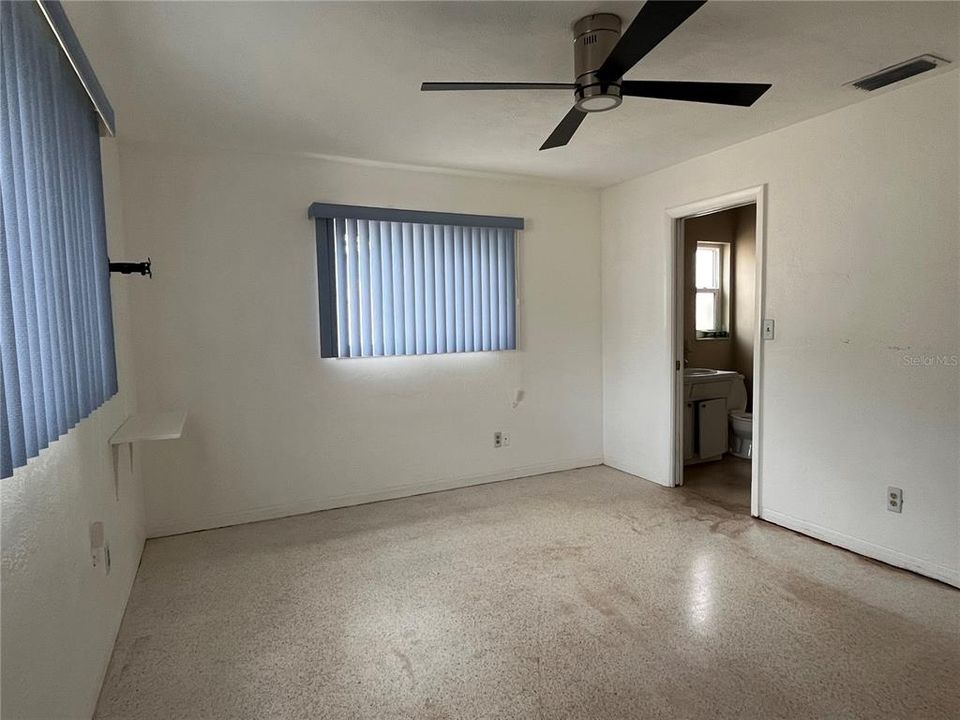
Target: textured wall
(862, 279)
(229, 331)
(60, 615)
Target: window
(712, 282)
(57, 360)
(402, 282)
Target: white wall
(228, 329)
(862, 277)
(60, 615)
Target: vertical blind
(56, 328)
(411, 288)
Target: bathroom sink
(705, 383)
(707, 374)
(699, 372)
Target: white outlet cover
(895, 499)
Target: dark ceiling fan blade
(720, 93)
(564, 131)
(654, 22)
(432, 86)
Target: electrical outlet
(894, 499)
(505, 439)
(498, 439)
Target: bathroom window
(712, 274)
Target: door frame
(675, 216)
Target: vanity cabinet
(706, 405)
(711, 428)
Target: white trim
(310, 505)
(760, 300)
(675, 323)
(943, 573)
(756, 195)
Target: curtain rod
(56, 17)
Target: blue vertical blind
(56, 327)
(409, 288)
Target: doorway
(717, 250)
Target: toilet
(741, 422)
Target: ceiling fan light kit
(594, 37)
(602, 56)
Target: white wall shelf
(156, 426)
(144, 427)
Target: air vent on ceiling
(898, 72)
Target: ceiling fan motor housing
(594, 36)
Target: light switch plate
(768, 330)
(96, 543)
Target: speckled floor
(725, 482)
(587, 594)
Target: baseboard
(943, 573)
(629, 468)
(301, 507)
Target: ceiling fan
(601, 58)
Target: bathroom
(719, 329)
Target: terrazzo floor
(725, 482)
(587, 594)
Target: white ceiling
(343, 78)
